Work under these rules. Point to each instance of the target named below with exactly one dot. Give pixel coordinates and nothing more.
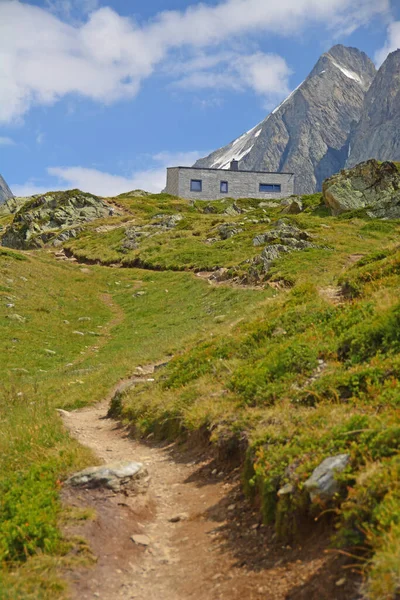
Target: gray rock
(377, 135)
(134, 235)
(271, 253)
(322, 484)
(370, 185)
(293, 207)
(284, 238)
(56, 216)
(308, 133)
(289, 234)
(141, 540)
(286, 490)
(233, 210)
(228, 230)
(259, 240)
(117, 476)
(168, 221)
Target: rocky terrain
(372, 186)
(308, 133)
(5, 192)
(54, 217)
(201, 399)
(377, 134)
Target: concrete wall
(241, 184)
(173, 181)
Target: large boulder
(52, 217)
(371, 185)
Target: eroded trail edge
(201, 539)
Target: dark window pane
(195, 185)
(224, 187)
(270, 187)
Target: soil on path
(203, 539)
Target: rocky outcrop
(284, 238)
(51, 218)
(135, 234)
(323, 484)
(308, 133)
(377, 134)
(228, 230)
(371, 185)
(5, 192)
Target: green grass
(291, 373)
(46, 365)
(261, 382)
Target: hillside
(308, 133)
(275, 338)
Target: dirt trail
(217, 550)
(204, 540)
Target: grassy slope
(262, 383)
(55, 300)
(246, 363)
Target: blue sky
(103, 95)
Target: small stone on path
(141, 540)
(177, 518)
(63, 413)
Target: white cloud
(43, 58)
(107, 184)
(30, 188)
(265, 74)
(392, 42)
(181, 159)
(6, 141)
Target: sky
(103, 95)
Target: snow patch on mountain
(347, 72)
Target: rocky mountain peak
(351, 63)
(5, 192)
(307, 134)
(377, 133)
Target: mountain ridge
(377, 133)
(308, 132)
